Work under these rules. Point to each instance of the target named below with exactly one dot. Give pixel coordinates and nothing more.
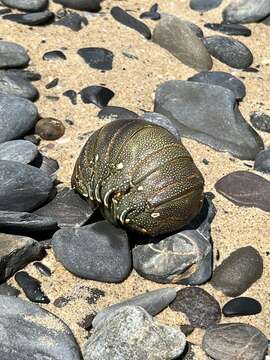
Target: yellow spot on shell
(119, 166)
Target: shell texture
(140, 177)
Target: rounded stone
(242, 306)
(260, 121)
(15, 85)
(18, 150)
(50, 129)
(12, 55)
(262, 161)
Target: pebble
(229, 29)
(98, 252)
(72, 20)
(12, 55)
(86, 323)
(72, 95)
(246, 11)
(49, 129)
(97, 95)
(97, 58)
(116, 113)
(15, 85)
(204, 5)
(32, 19)
(67, 208)
(23, 222)
(87, 5)
(12, 126)
(152, 301)
(27, 329)
(185, 257)
(229, 51)
(235, 341)
(209, 114)
(52, 83)
(24, 74)
(48, 165)
(260, 121)
(238, 271)
(31, 287)
(244, 188)
(18, 150)
(187, 329)
(8, 290)
(163, 121)
(242, 306)
(152, 14)
(27, 5)
(23, 187)
(43, 269)
(262, 161)
(16, 252)
(54, 55)
(131, 333)
(201, 309)
(223, 79)
(61, 302)
(186, 46)
(126, 19)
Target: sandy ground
(134, 83)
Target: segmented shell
(140, 177)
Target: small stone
(54, 55)
(16, 252)
(8, 290)
(187, 329)
(27, 5)
(72, 95)
(242, 306)
(244, 188)
(163, 121)
(24, 74)
(223, 79)
(23, 187)
(43, 269)
(48, 165)
(229, 29)
(31, 287)
(260, 121)
(204, 5)
(33, 19)
(61, 302)
(87, 5)
(126, 19)
(246, 11)
(67, 208)
(262, 161)
(50, 129)
(52, 83)
(185, 46)
(72, 20)
(131, 333)
(97, 58)
(229, 51)
(99, 252)
(18, 150)
(235, 341)
(86, 323)
(116, 113)
(15, 85)
(12, 55)
(201, 309)
(97, 95)
(152, 14)
(238, 272)
(153, 302)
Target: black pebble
(86, 323)
(25, 74)
(72, 20)
(54, 55)
(61, 301)
(251, 70)
(242, 306)
(72, 95)
(229, 29)
(52, 98)
(43, 269)
(187, 329)
(97, 58)
(52, 84)
(97, 95)
(205, 161)
(33, 19)
(116, 112)
(31, 288)
(152, 13)
(8, 290)
(126, 19)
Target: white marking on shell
(106, 197)
(119, 166)
(155, 215)
(97, 193)
(140, 188)
(96, 158)
(122, 216)
(127, 221)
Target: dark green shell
(140, 177)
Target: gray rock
(229, 51)
(195, 28)
(29, 332)
(24, 74)
(131, 333)
(48, 165)
(116, 113)
(23, 222)
(235, 341)
(209, 114)
(223, 79)
(32, 19)
(16, 252)
(260, 121)
(204, 5)
(262, 161)
(13, 126)
(238, 271)
(12, 55)
(176, 36)
(98, 252)
(152, 301)
(88, 5)
(163, 121)
(8, 290)
(27, 5)
(23, 187)
(184, 258)
(246, 11)
(15, 85)
(67, 208)
(18, 150)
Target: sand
(134, 82)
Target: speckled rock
(260, 121)
(12, 55)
